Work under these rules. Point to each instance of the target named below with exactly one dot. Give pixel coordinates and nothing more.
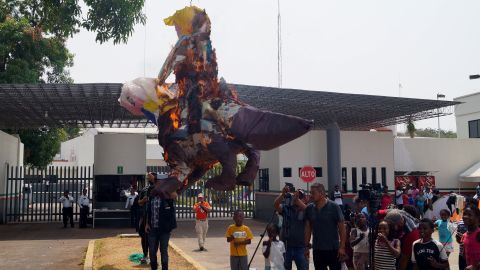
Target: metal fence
(32, 194)
(223, 202)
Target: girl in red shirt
(471, 239)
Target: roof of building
(96, 105)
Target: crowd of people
(388, 233)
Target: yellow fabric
(182, 19)
(242, 233)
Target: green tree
(33, 35)
(430, 132)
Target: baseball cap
(200, 195)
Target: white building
(366, 157)
(11, 153)
(80, 150)
(467, 116)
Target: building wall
(270, 160)
(310, 149)
(467, 111)
(365, 149)
(127, 150)
(11, 153)
(358, 149)
(446, 158)
(78, 151)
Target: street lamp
(473, 77)
(439, 96)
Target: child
(359, 242)
(273, 249)
(461, 229)
(387, 249)
(471, 239)
(239, 236)
(443, 225)
(428, 253)
(420, 202)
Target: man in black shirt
(142, 200)
(161, 220)
(291, 207)
(325, 219)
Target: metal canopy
(96, 105)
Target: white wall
(467, 111)
(11, 152)
(310, 149)
(358, 149)
(370, 150)
(270, 160)
(447, 158)
(78, 151)
(127, 150)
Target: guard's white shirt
(67, 202)
(84, 201)
(130, 199)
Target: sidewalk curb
(185, 256)
(88, 263)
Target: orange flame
(175, 120)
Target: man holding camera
(290, 205)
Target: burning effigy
(200, 120)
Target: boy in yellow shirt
(239, 236)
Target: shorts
(448, 247)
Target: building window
(364, 175)
(374, 176)
(474, 129)
(344, 179)
(287, 172)
(384, 176)
(354, 179)
(263, 180)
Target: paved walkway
(47, 246)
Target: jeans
(156, 239)
(297, 255)
(324, 258)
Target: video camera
(372, 194)
(288, 199)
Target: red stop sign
(308, 174)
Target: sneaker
(143, 260)
(202, 248)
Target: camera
(372, 194)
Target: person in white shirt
(84, 203)
(133, 208)
(338, 197)
(67, 211)
(398, 197)
(273, 249)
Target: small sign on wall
(119, 169)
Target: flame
(175, 120)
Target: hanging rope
(279, 46)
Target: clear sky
(364, 47)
